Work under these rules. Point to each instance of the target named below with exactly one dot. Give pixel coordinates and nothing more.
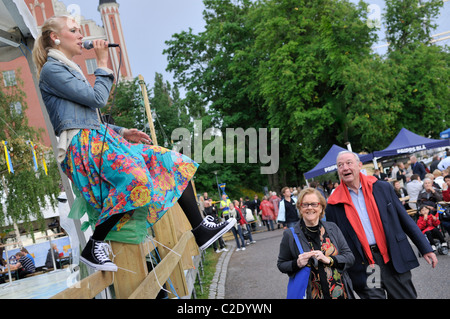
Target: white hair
(348, 152)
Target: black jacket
(288, 255)
(398, 226)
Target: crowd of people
(368, 253)
(344, 227)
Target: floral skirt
(118, 176)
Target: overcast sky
(149, 23)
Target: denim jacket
(70, 100)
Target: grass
(209, 268)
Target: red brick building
(111, 31)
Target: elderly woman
(429, 195)
(325, 250)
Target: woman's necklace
(313, 230)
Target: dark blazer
(397, 226)
(418, 169)
(287, 258)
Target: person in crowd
(250, 205)
(116, 169)
(275, 200)
(438, 178)
(316, 185)
(224, 206)
(49, 260)
(27, 253)
(401, 173)
(380, 175)
(413, 188)
(325, 250)
(256, 203)
(24, 265)
(434, 164)
(211, 210)
(446, 189)
(401, 193)
(444, 163)
(376, 227)
(243, 221)
(417, 167)
(237, 229)
(201, 204)
(268, 213)
(394, 170)
(287, 214)
(432, 177)
(446, 197)
(429, 195)
(428, 223)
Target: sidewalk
(253, 273)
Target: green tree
(169, 109)
(308, 68)
(126, 106)
(26, 192)
(421, 68)
(410, 22)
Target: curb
(217, 287)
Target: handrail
(88, 288)
(91, 286)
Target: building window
(91, 66)
(113, 23)
(9, 78)
(16, 107)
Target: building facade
(111, 31)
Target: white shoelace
(209, 222)
(102, 251)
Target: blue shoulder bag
(299, 282)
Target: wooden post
(165, 233)
(132, 268)
(147, 109)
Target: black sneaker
(208, 231)
(96, 255)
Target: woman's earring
(57, 41)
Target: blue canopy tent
(445, 134)
(328, 163)
(407, 142)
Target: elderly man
(417, 168)
(376, 225)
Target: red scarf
(341, 195)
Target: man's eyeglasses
(313, 205)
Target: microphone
(90, 45)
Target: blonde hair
(308, 191)
(44, 43)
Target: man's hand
(431, 259)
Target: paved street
(253, 273)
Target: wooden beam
(88, 288)
(150, 288)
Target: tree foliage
(308, 68)
(27, 192)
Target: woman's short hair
(308, 191)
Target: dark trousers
(435, 233)
(392, 285)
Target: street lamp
(217, 182)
